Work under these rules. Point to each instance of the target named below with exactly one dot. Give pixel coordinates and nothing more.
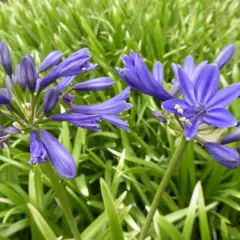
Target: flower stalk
(163, 185)
(61, 195)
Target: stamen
(177, 106)
(17, 125)
(84, 69)
(180, 110)
(188, 122)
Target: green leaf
(114, 221)
(41, 223)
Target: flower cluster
(30, 99)
(194, 104)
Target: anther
(84, 69)
(17, 125)
(177, 106)
(180, 110)
(188, 123)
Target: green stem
(163, 185)
(62, 197)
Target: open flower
(203, 103)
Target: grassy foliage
(203, 200)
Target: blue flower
(203, 103)
(226, 156)
(60, 158)
(136, 75)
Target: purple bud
(232, 137)
(159, 116)
(37, 150)
(51, 60)
(5, 58)
(11, 130)
(9, 83)
(65, 82)
(51, 99)
(20, 77)
(226, 156)
(225, 55)
(116, 121)
(97, 84)
(28, 73)
(68, 99)
(60, 158)
(75, 64)
(158, 72)
(5, 96)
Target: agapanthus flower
(202, 113)
(38, 102)
(203, 102)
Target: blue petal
(51, 60)
(197, 71)
(96, 84)
(191, 131)
(116, 121)
(226, 156)
(75, 117)
(186, 86)
(170, 106)
(5, 96)
(189, 66)
(225, 55)
(60, 158)
(175, 69)
(207, 83)
(65, 82)
(5, 58)
(219, 117)
(51, 99)
(225, 96)
(175, 90)
(112, 108)
(137, 76)
(158, 72)
(232, 137)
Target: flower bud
(51, 99)
(51, 60)
(28, 72)
(5, 58)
